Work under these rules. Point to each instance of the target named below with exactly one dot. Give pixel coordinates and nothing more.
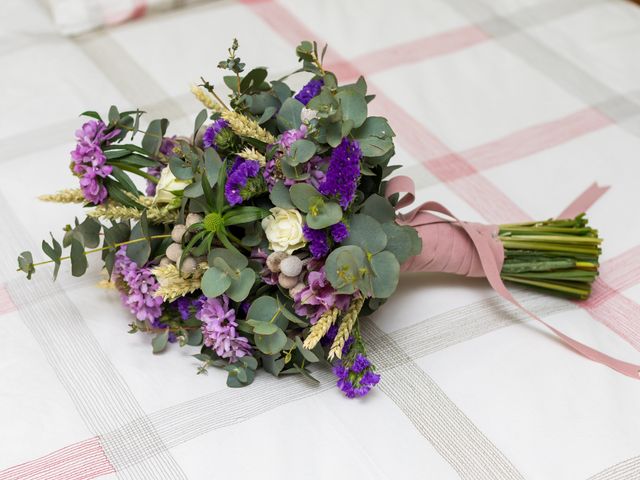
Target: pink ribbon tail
(480, 248)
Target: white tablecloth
(504, 110)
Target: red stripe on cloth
(622, 271)
(81, 461)
(527, 141)
(615, 311)
(6, 304)
(476, 190)
(409, 52)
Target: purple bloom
(89, 161)
(241, 171)
(219, 329)
(330, 336)
(339, 232)
(290, 136)
(93, 132)
(358, 379)
(310, 90)
(138, 287)
(183, 305)
(212, 131)
(318, 297)
(318, 242)
(343, 172)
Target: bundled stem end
(558, 256)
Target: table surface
(504, 110)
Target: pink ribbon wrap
(474, 250)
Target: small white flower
(283, 229)
(307, 114)
(168, 184)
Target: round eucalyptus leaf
(214, 282)
(270, 344)
(235, 260)
(366, 232)
(386, 271)
(301, 151)
(302, 194)
(379, 208)
(264, 328)
(294, 172)
(325, 215)
(343, 268)
(402, 241)
(241, 286)
(280, 196)
(354, 106)
(267, 309)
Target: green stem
(135, 171)
(86, 252)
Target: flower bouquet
(266, 233)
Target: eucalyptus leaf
(288, 117)
(280, 196)
(159, 342)
(79, 262)
(343, 268)
(324, 215)
(235, 260)
(301, 151)
(25, 263)
(354, 106)
(214, 282)
(367, 233)
(179, 169)
(386, 272)
(379, 208)
(270, 344)
(302, 194)
(153, 137)
(241, 286)
(200, 119)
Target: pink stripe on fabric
(81, 461)
(139, 9)
(615, 311)
(622, 271)
(419, 142)
(528, 141)
(6, 304)
(409, 52)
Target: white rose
(284, 230)
(307, 114)
(167, 184)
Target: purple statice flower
(183, 305)
(241, 171)
(138, 287)
(318, 242)
(219, 328)
(269, 173)
(89, 161)
(343, 172)
(290, 136)
(310, 90)
(357, 379)
(166, 148)
(330, 336)
(212, 131)
(318, 297)
(339, 232)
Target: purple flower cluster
(212, 131)
(219, 328)
(310, 90)
(318, 242)
(356, 380)
(343, 172)
(89, 161)
(290, 136)
(339, 232)
(238, 176)
(138, 293)
(318, 297)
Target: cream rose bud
(168, 183)
(283, 229)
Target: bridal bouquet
(266, 233)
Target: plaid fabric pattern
(504, 110)
(77, 16)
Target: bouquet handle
(471, 249)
